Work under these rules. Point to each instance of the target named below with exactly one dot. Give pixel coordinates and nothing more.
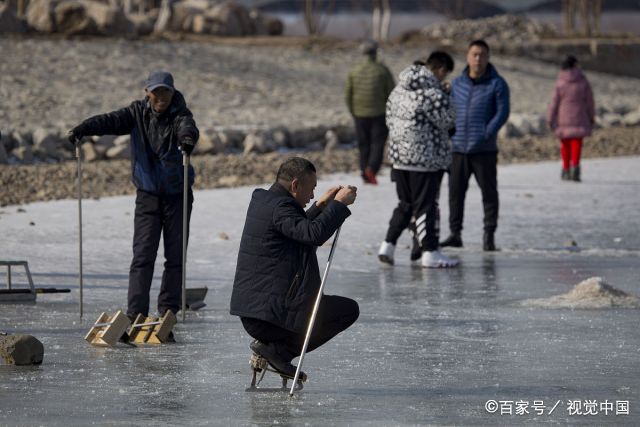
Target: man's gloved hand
(187, 145)
(76, 134)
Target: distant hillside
(607, 6)
(472, 8)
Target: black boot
(574, 173)
(454, 240)
(488, 242)
(564, 175)
(278, 358)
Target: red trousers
(570, 151)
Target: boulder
(122, 140)
(4, 158)
(47, 143)
(118, 152)
(231, 139)
(632, 118)
(20, 139)
(72, 19)
(182, 15)
(258, 142)
(23, 154)
(89, 153)
(7, 140)
(107, 141)
(40, 15)
(209, 143)
(142, 23)
(305, 137)
(331, 140)
(21, 350)
(275, 26)
(522, 124)
(110, 21)
(231, 19)
(9, 22)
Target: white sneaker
(436, 259)
(385, 254)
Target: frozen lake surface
(431, 346)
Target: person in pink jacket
(571, 115)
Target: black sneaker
(280, 364)
(454, 241)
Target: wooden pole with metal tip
(185, 217)
(314, 313)
(79, 156)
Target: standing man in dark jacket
(161, 126)
(481, 100)
(277, 276)
(368, 86)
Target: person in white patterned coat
(420, 117)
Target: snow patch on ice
(590, 293)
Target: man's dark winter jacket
(156, 161)
(277, 275)
(482, 107)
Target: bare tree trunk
(21, 8)
(569, 16)
(386, 20)
(316, 17)
(585, 16)
(375, 21)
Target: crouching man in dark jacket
(160, 126)
(277, 276)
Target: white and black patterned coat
(419, 115)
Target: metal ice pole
(185, 211)
(307, 337)
(78, 155)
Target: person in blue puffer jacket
(481, 101)
(161, 129)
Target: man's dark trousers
(484, 167)
(156, 215)
(418, 194)
(371, 133)
(335, 314)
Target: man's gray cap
(159, 79)
(369, 47)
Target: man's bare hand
(327, 196)
(347, 195)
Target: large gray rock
(632, 118)
(142, 23)
(89, 152)
(209, 143)
(47, 143)
(118, 152)
(4, 158)
(21, 350)
(231, 19)
(40, 15)
(110, 21)
(23, 154)
(9, 22)
(72, 19)
(259, 142)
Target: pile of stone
(497, 29)
(52, 145)
(93, 17)
(531, 124)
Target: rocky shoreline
(30, 183)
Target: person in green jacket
(368, 86)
